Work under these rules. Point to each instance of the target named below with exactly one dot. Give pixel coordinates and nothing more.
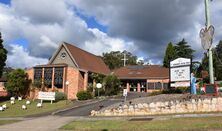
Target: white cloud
(45, 24)
(103, 43)
(41, 11)
(47, 42)
(20, 58)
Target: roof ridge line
(80, 49)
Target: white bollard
(39, 105)
(1, 108)
(24, 107)
(12, 102)
(19, 98)
(4, 106)
(28, 102)
(12, 98)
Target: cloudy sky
(33, 29)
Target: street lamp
(67, 84)
(98, 86)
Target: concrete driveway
(86, 109)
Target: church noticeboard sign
(211, 89)
(46, 96)
(180, 71)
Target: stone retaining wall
(169, 107)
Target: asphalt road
(86, 109)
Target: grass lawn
(16, 109)
(171, 124)
(3, 122)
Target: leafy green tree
(112, 85)
(114, 60)
(3, 55)
(17, 82)
(170, 54)
(184, 50)
(6, 71)
(217, 61)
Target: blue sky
(91, 21)
(5, 1)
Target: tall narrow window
(58, 77)
(151, 86)
(48, 77)
(158, 85)
(37, 74)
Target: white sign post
(180, 72)
(46, 96)
(98, 86)
(125, 94)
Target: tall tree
(217, 61)
(114, 60)
(170, 54)
(3, 55)
(184, 50)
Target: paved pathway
(53, 123)
(47, 123)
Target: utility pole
(207, 15)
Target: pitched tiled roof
(87, 61)
(142, 72)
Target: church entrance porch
(137, 85)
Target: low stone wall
(168, 107)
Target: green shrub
(101, 92)
(178, 90)
(220, 85)
(90, 87)
(112, 85)
(60, 96)
(84, 95)
(154, 93)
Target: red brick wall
(72, 77)
(3, 93)
(30, 73)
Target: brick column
(43, 70)
(138, 87)
(85, 84)
(53, 72)
(128, 87)
(65, 88)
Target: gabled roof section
(142, 72)
(87, 61)
(56, 53)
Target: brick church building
(69, 68)
(68, 64)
